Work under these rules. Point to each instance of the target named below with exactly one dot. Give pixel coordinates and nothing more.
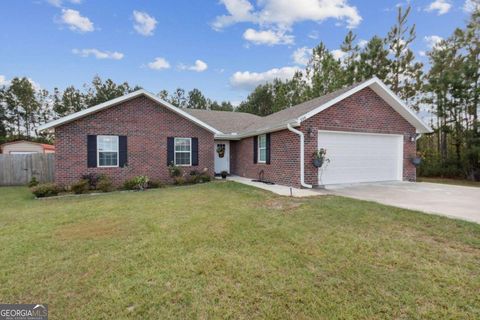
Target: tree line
(24, 106)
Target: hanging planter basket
(317, 163)
(416, 161)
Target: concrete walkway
(278, 189)
(448, 200)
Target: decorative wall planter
(317, 163)
(416, 161)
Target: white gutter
(302, 156)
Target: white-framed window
(107, 151)
(262, 148)
(183, 152)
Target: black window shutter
(91, 151)
(267, 160)
(194, 151)
(255, 149)
(122, 151)
(170, 150)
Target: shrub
(175, 171)
(104, 184)
(33, 183)
(154, 184)
(180, 181)
(204, 177)
(80, 187)
(46, 190)
(93, 179)
(137, 183)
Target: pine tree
(374, 60)
(405, 76)
(350, 63)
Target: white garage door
(360, 157)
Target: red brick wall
(364, 111)
(284, 167)
(146, 125)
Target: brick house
(368, 132)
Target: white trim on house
(385, 93)
(113, 102)
(175, 152)
(98, 151)
(260, 148)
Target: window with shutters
(262, 148)
(107, 151)
(183, 152)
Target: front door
(222, 156)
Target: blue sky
(224, 48)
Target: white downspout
(302, 156)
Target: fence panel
(19, 169)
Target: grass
(458, 182)
(224, 250)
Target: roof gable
(118, 101)
(236, 125)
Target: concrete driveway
(448, 200)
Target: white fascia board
(279, 127)
(385, 93)
(110, 103)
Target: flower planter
(224, 174)
(317, 163)
(416, 161)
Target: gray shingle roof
(241, 122)
(225, 121)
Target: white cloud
(144, 23)
(199, 66)
(422, 53)
(284, 13)
(248, 80)
(441, 6)
(301, 56)
(471, 5)
(58, 3)
(432, 40)
(338, 54)
(268, 37)
(362, 43)
(98, 54)
(3, 81)
(75, 21)
(159, 63)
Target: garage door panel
(358, 157)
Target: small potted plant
(319, 158)
(224, 174)
(417, 159)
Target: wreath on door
(221, 150)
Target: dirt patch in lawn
(282, 204)
(104, 228)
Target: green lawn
(224, 250)
(458, 182)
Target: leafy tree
(196, 100)
(20, 105)
(99, 91)
(178, 98)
